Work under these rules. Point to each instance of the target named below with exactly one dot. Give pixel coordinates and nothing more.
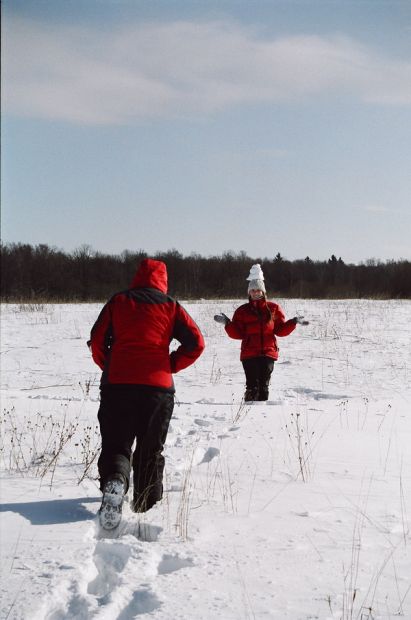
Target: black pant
(258, 374)
(130, 413)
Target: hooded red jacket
(257, 324)
(131, 338)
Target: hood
(152, 274)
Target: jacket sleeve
(101, 336)
(187, 332)
(235, 328)
(281, 326)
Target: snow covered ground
(292, 509)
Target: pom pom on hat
(256, 278)
(256, 273)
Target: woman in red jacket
(130, 342)
(256, 324)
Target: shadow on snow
(48, 512)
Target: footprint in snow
(131, 526)
(147, 532)
(201, 455)
(110, 560)
(124, 574)
(143, 602)
(209, 455)
(172, 563)
(201, 422)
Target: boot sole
(112, 504)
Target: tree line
(42, 273)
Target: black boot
(263, 394)
(251, 394)
(142, 502)
(112, 502)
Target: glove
(221, 318)
(299, 320)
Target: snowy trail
(116, 580)
(292, 509)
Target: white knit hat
(256, 278)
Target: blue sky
(262, 126)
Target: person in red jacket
(130, 343)
(256, 324)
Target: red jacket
(257, 324)
(131, 337)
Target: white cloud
(153, 70)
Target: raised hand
(221, 318)
(300, 320)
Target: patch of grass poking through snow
(221, 484)
(215, 375)
(242, 412)
(361, 602)
(90, 446)
(36, 313)
(36, 447)
(86, 386)
(300, 439)
(184, 507)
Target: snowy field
(292, 509)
